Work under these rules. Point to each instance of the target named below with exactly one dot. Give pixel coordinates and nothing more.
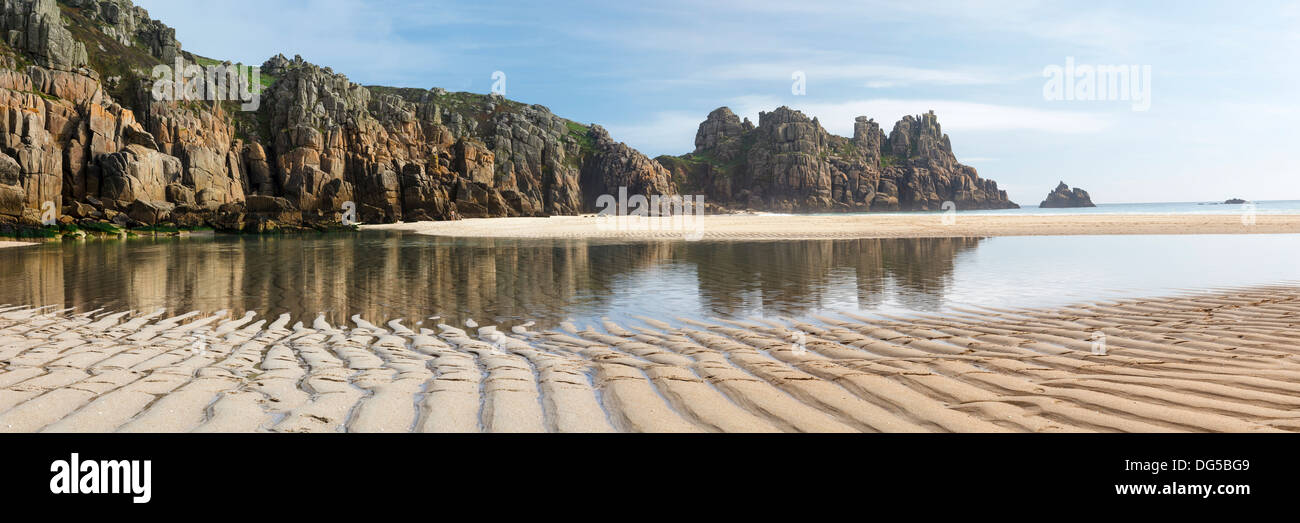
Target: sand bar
(4, 244)
(776, 227)
(1227, 361)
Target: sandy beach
(1205, 362)
(4, 244)
(778, 227)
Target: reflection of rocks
(384, 277)
(797, 277)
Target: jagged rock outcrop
(614, 166)
(35, 27)
(82, 136)
(125, 22)
(317, 141)
(1062, 198)
(788, 162)
(415, 154)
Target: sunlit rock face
(790, 163)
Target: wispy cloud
(871, 75)
(673, 132)
(954, 115)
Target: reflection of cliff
(31, 276)
(381, 277)
(796, 277)
(505, 282)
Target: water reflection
(393, 275)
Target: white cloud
(873, 75)
(838, 117)
(354, 38)
(673, 132)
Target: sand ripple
(1207, 362)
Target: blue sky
(1223, 119)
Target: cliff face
(82, 131)
(789, 163)
(84, 139)
(1062, 197)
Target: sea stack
(1064, 198)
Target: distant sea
(1261, 207)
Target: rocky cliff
(83, 131)
(1062, 197)
(86, 139)
(789, 163)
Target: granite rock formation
(84, 139)
(83, 133)
(1063, 198)
(789, 163)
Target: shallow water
(389, 275)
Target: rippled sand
(803, 227)
(1224, 362)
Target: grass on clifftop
(265, 80)
(582, 135)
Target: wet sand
(804, 227)
(1206, 362)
